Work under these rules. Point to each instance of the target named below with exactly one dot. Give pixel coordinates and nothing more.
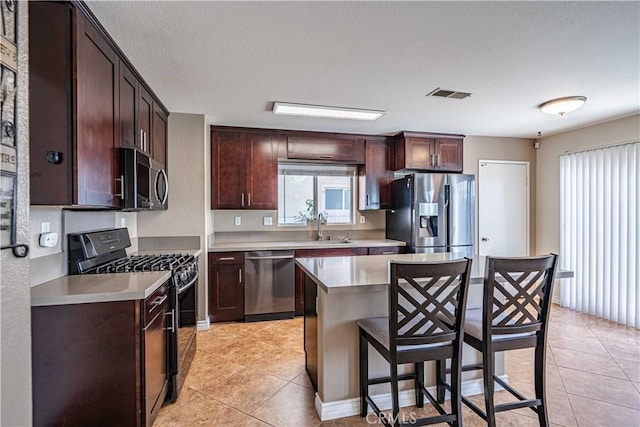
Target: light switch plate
(123, 222)
(267, 220)
(238, 220)
(45, 227)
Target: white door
(503, 208)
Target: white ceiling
(231, 60)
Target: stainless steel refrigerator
(433, 212)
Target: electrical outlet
(123, 222)
(45, 227)
(267, 220)
(238, 220)
(362, 219)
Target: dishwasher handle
(271, 257)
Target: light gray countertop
(305, 244)
(371, 273)
(90, 288)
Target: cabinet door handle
(242, 202)
(226, 258)
(388, 253)
(240, 275)
(158, 301)
(437, 159)
(121, 179)
(146, 142)
(326, 157)
(249, 199)
(367, 203)
(433, 163)
(173, 320)
(142, 139)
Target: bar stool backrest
(517, 294)
(427, 301)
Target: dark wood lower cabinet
(310, 291)
(95, 364)
(226, 287)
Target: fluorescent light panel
(325, 111)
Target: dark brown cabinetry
(159, 127)
(84, 103)
(72, 140)
(99, 361)
(244, 170)
(375, 176)
(428, 152)
(142, 121)
(340, 148)
(226, 286)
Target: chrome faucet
(321, 221)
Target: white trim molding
(349, 407)
(203, 325)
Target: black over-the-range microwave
(144, 182)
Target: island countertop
(371, 273)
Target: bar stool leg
(393, 366)
(364, 374)
(441, 377)
(488, 364)
(419, 370)
(540, 385)
(456, 388)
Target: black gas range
(104, 251)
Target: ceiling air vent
(446, 93)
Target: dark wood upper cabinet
(375, 176)
(339, 148)
(244, 170)
(145, 118)
(428, 152)
(84, 103)
(159, 134)
(73, 99)
(128, 91)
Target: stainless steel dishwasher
(269, 289)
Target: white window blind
(600, 227)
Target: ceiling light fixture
(325, 111)
(563, 105)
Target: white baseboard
(349, 407)
(203, 325)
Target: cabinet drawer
(217, 258)
(386, 250)
(326, 149)
(155, 303)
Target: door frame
(528, 198)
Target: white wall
(15, 298)
(548, 198)
(189, 188)
(496, 148)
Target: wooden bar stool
(514, 315)
(427, 304)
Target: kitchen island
(340, 290)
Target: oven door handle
(183, 288)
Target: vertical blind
(599, 232)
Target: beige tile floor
(253, 375)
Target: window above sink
(305, 190)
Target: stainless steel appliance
(433, 213)
(143, 181)
(104, 252)
(269, 291)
